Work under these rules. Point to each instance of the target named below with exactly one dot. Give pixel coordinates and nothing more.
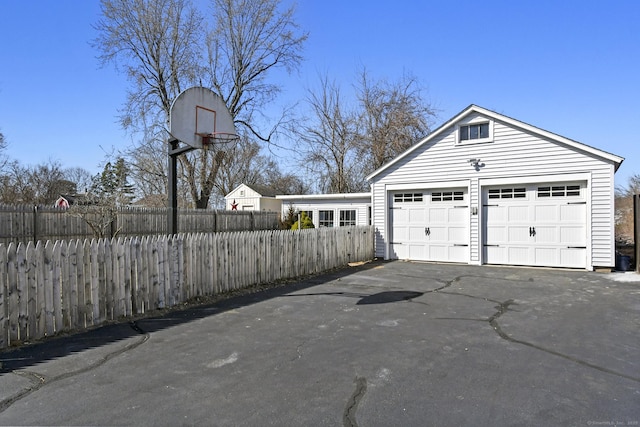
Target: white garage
(488, 189)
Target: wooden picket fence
(23, 223)
(59, 286)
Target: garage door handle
(532, 231)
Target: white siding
(513, 153)
(361, 206)
(249, 199)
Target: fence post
(113, 227)
(35, 224)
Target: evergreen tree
(304, 220)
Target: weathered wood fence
(24, 223)
(59, 286)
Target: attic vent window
(475, 131)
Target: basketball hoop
(223, 139)
(200, 118)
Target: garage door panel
(416, 252)
(573, 213)
(546, 235)
(458, 215)
(416, 216)
(573, 236)
(496, 234)
(497, 254)
(545, 256)
(518, 213)
(495, 214)
(416, 235)
(426, 227)
(540, 229)
(460, 253)
(457, 234)
(573, 257)
(438, 253)
(437, 234)
(545, 213)
(515, 254)
(437, 215)
(517, 234)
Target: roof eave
(616, 160)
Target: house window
(309, 214)
(407, 197)
(347, 217)
(447, 196)
(474, 131)
(508, 193)
(559, 191)
(326, 218)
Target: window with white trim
(474, 131)
(559, 191)
(478, 130)
(407, 197)
(347, 217)
(326, 218)
(447, 196)
(508, 193)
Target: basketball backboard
(199, 117)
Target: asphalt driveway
(384, 344)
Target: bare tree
(624, 220)
(393, 116)
(4, 159)
(250, 39)
(35, 185)
(343, 145)
(329, 138)
(158, 42)
(81, 178)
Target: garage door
(430, 225)
(537, 225)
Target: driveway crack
(504, 307)
(349, 416)
(38, 381)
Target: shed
(331, 210)
(252, 198)
(485, 188)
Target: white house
(488, 189)
(331, 210)
(252, 198)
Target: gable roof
(262, 190)
(617, 160)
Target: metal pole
(172, 225)
(174, 152)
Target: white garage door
(430, 225)
(538, 225)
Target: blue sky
(569, 67)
